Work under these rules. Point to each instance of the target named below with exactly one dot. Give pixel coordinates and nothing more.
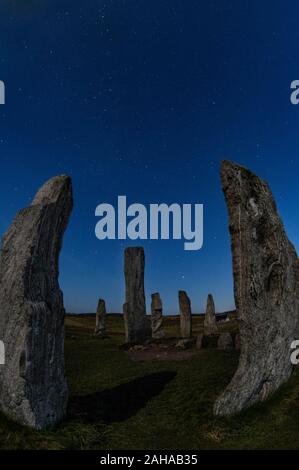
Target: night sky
(145, 98)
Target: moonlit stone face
(265, 268)
(33, 388)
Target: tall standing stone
(33, 388)
(210, 325)
(265, 271)
(137, 325)
(100, 328)
(185, 315)
(157, 316)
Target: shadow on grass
(119, 403)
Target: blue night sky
(145, 98)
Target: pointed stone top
(101, 306)
(227, 165)
(232, 174)
(53, 190)
(244, 190)
(183, 298)
(210, 305)
(182, 292)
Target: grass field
(118, 403)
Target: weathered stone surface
(185, 314)
(237, 342)
(100, 328)
(126, 321)
(265, 272)
(210, 326)
(225, 341)
(185, 343)
(157, 316)
(33, 388)
(137, 325)
(200, 341)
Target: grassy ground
(117, 403)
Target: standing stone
(225, 341)
(265, 272)
(100, 328)
(136, 324)
(210, 325)
(185, 314)
(157, 317)
(185, 343)
(33, 388)
(200, 341)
